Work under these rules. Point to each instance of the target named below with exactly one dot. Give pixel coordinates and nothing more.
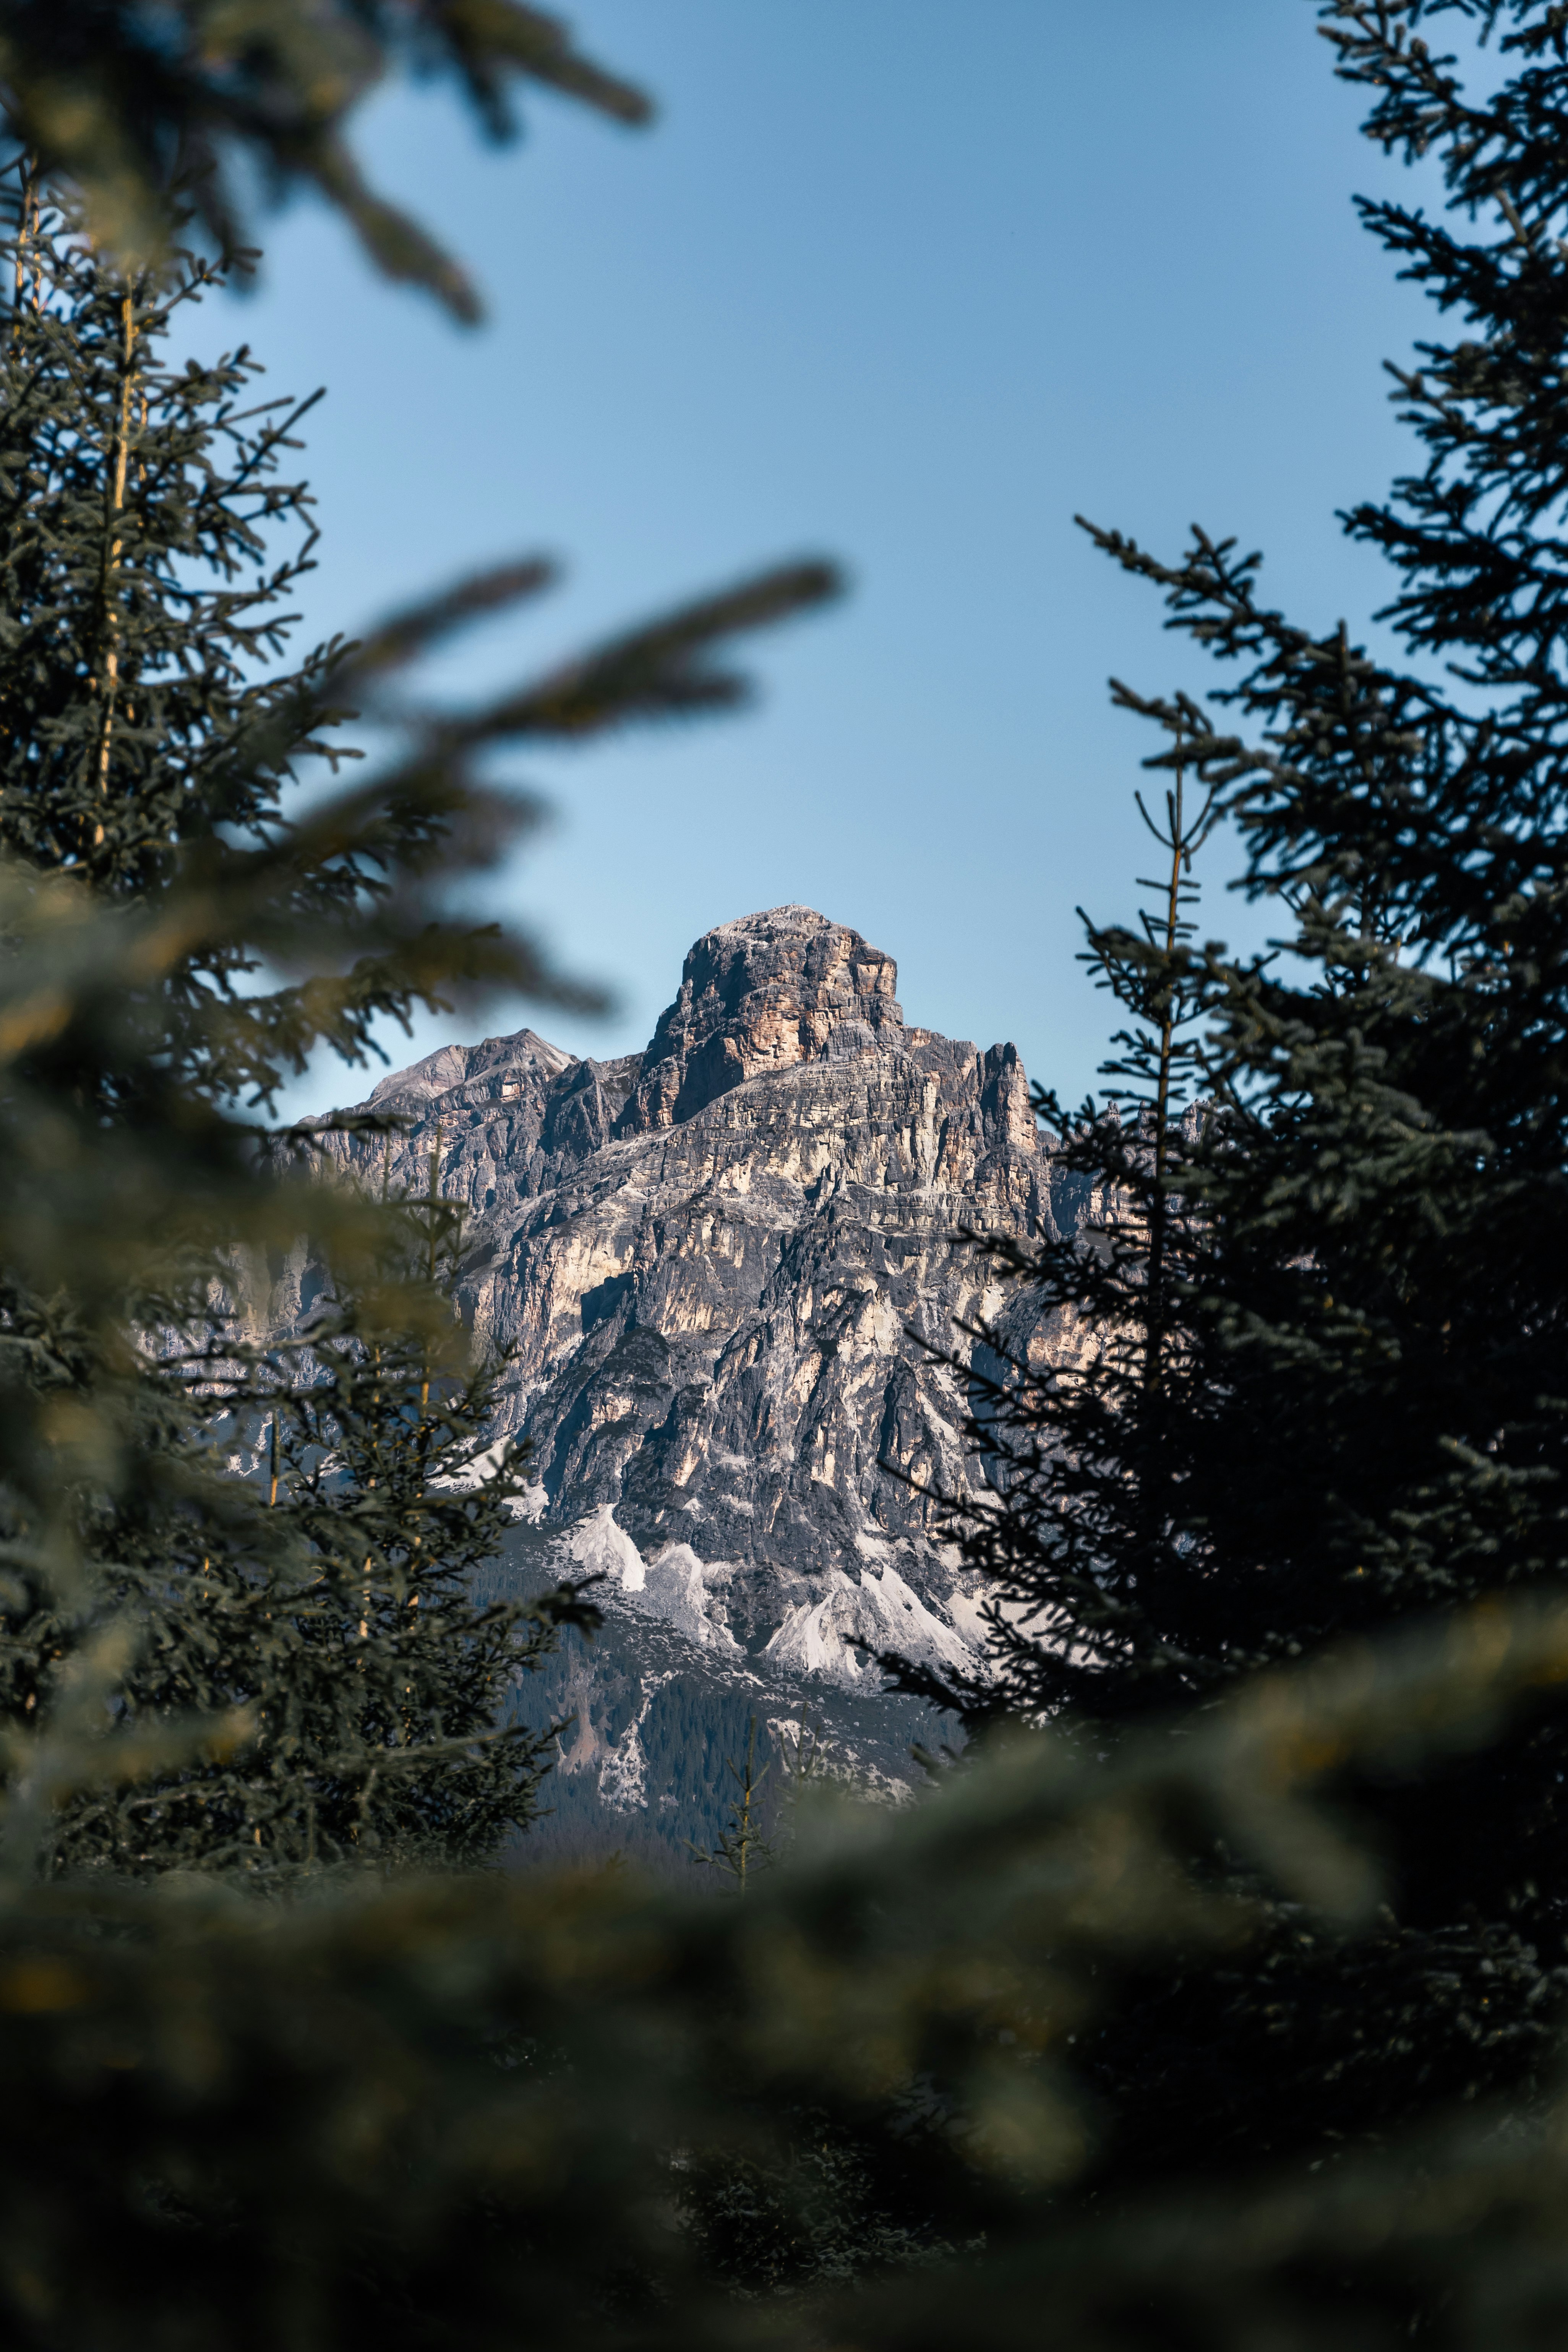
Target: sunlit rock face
(715, 1264)
(757, 997)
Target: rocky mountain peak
(757, 996)
(734, 1279)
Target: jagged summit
(759, 995)
(451, 1070)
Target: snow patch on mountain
(877, 1607)
(597, 1547)
(623, 1776)
(675, 1587)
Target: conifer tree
(149, 736)
(397, 1731)
(744, 1845)
(334, 1619)
(146, 610)
(1370, 1304)
(1088, 1452)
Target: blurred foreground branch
(147, 105)
(450, 2102)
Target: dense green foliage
(1308, 1373)
(398, 1739)
(871, 2057)
(143, 732)
(330, 1620)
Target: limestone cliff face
(714, 1263)
(757, 997)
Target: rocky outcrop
(717, 1267)
(759, 996)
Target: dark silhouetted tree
(1329, 1324)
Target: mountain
(714, 1263)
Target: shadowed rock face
(714, 1263)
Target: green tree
(1088, 1449)
(430, 2104)
(744, 1844)
(149, 719)
(396, 1738)
(1363, 1413)
(330, 1625)
(150, 736)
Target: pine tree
(744, 1845)
(1088, 1444)
(149, 738)
(332, 1622)
(1365, 1419)
(148, 724)
(397, 1741)
(141, 726)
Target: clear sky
(907, 284)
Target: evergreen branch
(395, 642)
(108, 93)
(661, 670)
(486, 36)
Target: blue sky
(908, 285)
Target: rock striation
(714, 1265)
